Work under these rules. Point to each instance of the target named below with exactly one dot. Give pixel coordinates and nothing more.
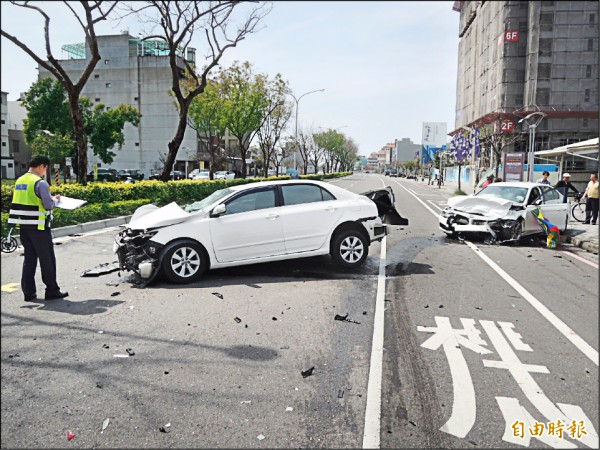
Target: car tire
(349, 249)
(185, 262)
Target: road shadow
(78, 308)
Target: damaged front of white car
(500, 219)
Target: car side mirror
(537, 202)
(218, 210)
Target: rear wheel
(185, 262)
(578, 212)
(349, 249)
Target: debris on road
(285, 347)
(478, 307)
(273, 318)
(166, 428)
(100, 331)
(105, 346)
(237, 319)
(345, 319)
(426, 306)
(101, 269)
(217, 294)
(307, 373)
(105, 425)
(121, 356)
(114, 294)
(341, 393)
(70, 435)
(246, 402)
(441, 306)
(130, 351)
(166, 372)
(260, 437)
(99, 385)
(289, 409)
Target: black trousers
(38, 246)
(591, 209)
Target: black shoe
(56, 295)
(586, 222)
(30, 297)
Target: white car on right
(199, 174)
(504, 210)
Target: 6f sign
(511, 36)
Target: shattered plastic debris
(246, 402)
(307, 373)
(100, 331)
(105, 346)
(114, 294)
(341, 393)
(273, 318)
(260, 437)
(345, 319)
(130, 351)
(166, 428)
(237, 319)
(101, 269)
(70, 435)
(105, 424)
(216, 294)
(289, 409)
(99, 385)
(121, 356)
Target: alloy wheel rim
(351, 249)
(185, 262)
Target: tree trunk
(175, 143)
(80, 139)
(459, 167)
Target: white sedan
(252, 223)
(199, 174)
(504, 211)
(224, 175)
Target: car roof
(522, 184)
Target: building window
(107, 61)
(97, 99)
(588, 71)
(10, 165)
(586, 97)
(107, 85)
(135, 99)
(585, 123)
(108, 108)
(544, 71)
(546, 21)
(545, 46)
(96, 76)
(137, 144)
(590, 45)
(3, 144)
(592, 20)
(15, 146)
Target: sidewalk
(577, 234)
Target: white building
(8, 165)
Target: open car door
(385, 201)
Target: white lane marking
(418, 199)
(567, 332)
(580, 258)
(434, 205)
(372, 432)
(583, 346)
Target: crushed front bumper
(138, 253)
(385, 201)
(501, 230)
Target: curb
(588, 245)
(86, 227)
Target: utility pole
(296, 135)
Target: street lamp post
(296, 135)
(532, 127)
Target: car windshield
(511, 193)
(212, 198)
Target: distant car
(253, 223)
(104, 175)
(173, 175)
(224, 175)
(199, 174)
(134, 174)
(504, 210)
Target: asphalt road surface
(447, 344)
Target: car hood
(492, 207)
(385, 201)
(151, 216)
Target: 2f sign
(511, 36)
(508, 126)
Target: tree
(305, 145)
(47, 105)
(87, 16)
(348, 155)
(279, 111)
(208, 116)
(176, 24)
(247, 104)
(332, 143)
(496, 141)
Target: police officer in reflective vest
(30, 212)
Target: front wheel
(349, 249)
(578, 212)
(185, 262)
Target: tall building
(137, 73)
(7, 163)
(518, 57)
(406, 150)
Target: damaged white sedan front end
(503, 212)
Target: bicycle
(578, 209)
(9, 244)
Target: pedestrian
(488, 181)
(564, 185)
(544, 179)
(30, 212)
(591, 203)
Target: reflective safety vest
(27, 209)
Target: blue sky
(386, 67)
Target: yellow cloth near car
(592, 189)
